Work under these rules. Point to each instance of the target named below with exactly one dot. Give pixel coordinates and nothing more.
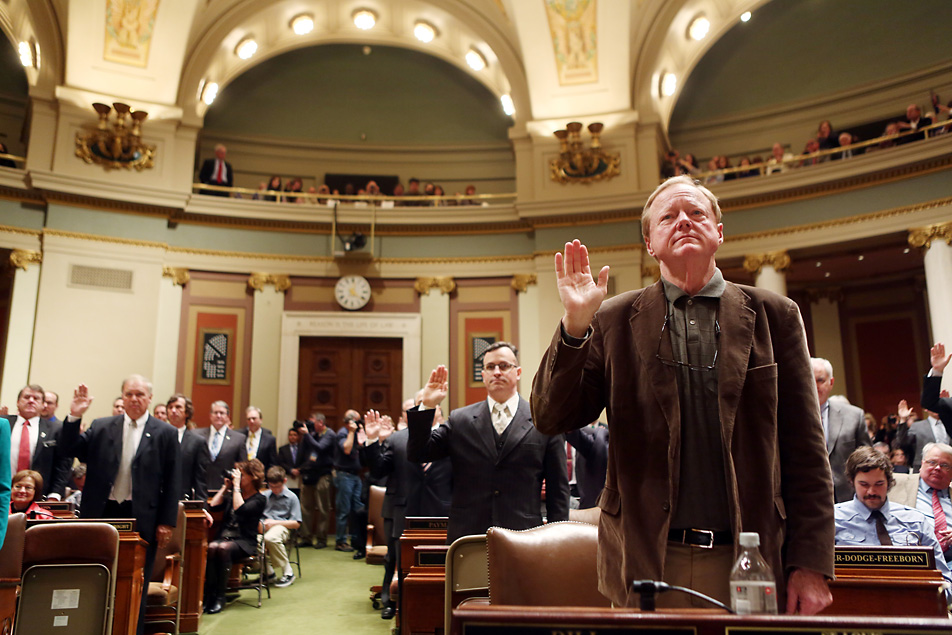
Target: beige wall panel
(95, 336)
(472, 295)
(827, 340)
(435, 316)
(302, 293)
(394, 295)
(167, 340)
(16, 358)
(218, 289)
(266, 355)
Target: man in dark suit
(217, 171)
(195, 456)
(844, 426)
(225, 446)
(912, 436)
(932, 398)
(39, 449)
(293, 457)
(591, 461)
(710, 384)
(259, 442)
(412, 489)
(132, 467)
(499, 460)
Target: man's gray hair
(256, 409)
(677, 180)
(944, 448)
(221, 403)
(827, 366)
(139, 378)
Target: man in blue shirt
(282, 513)
(870, 519)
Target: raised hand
(386, 427)
(81, 401)
(361, 437)
(938, 358)
(581, 295)
(372, 424)
(904, 411)
(436, 388)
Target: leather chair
(252, 573)
(376, 536)
(69, 578)
(163, 608)
(589, 515)
(549, 565)
(11, 564)
(466, 576)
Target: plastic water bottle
(753, 587)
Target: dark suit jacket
(778, 474)
(912, 438)
(847, 432)
(286, 460)
(195, 460)
(591, 464)
(411, 490)
(156, 470)
(494, 486)
(50, 458)
(267, 447)
(931, 387)
(232, 451)
(207, 174)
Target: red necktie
(940, 523)
(218, 172)
(23, 458)
(568, 459)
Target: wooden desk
(193, 577)
(422, 599)
(480, 619)
(420, 532)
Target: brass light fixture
(577, 164)
(118, 145)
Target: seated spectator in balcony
(688, 165)
(295, 186)
(27, 489)
(360, 202)
(779, 161)
(470, 192)
(914, 121)
(413, 193)
(217, 171)
(714, 176)
(812, 146)
(723, 163)
(6, 163)
(312, 199)
(260, 194)
(745, 163)
(669, 166)
(846, 139)
(890, 141)
(274, 185)
(322, 192)
(825, 137)
(438, 191)
(398, 192)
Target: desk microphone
(648, 589)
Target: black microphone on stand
(648, 589)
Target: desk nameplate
(421, 522)
(503, 628)
(908, 558)
(121, 524)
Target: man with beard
(871, 519)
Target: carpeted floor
(333, 596)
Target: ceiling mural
(574, 40)
(129, 25)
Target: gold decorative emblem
(445, 284)
(779, 260)
(179, 275)
(521, 281)
(22, 258)
(119, 145)
(577, 164)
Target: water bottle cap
(749, 539)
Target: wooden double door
(336, 374)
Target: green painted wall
(336, 94)
(797, 49)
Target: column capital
(257, 280)
(179, 275)
(521, 281)
(23, 258)
(446, 285)
(922, 237)
(833, 294)
(779, 260)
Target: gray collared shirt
(284, 506)
(691, 337)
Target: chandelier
(119, 144)
(578, 164)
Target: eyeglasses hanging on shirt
(675, 363)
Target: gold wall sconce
(578, 164)
(118, 145)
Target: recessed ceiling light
(365, 19)
(669, 84)
(507, 106)
(302, 24)
(745, 16)
(819, 264)
(699, 28)
(27, 54)
(861, 257)
(906, 250)
(826, 275)
(209, 93)
(246, 48)
(424, 31)
(475, 60)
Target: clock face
(352, 292)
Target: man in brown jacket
(718, 429)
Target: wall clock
(352, 292)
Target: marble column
(165, 365)
(827, 330)
(936, 241)
(266, 349)
(435, 315)
(16, 359)
(768, 270)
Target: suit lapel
(483, 424)
(146, 441)
(736, 320)
(646, 321)
(836, 424)
(519, 427)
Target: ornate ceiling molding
(521, 281)
(179, 275)
(446, 285)
(779, 260)
(257, 281)
(922, 237)
(23, 258)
